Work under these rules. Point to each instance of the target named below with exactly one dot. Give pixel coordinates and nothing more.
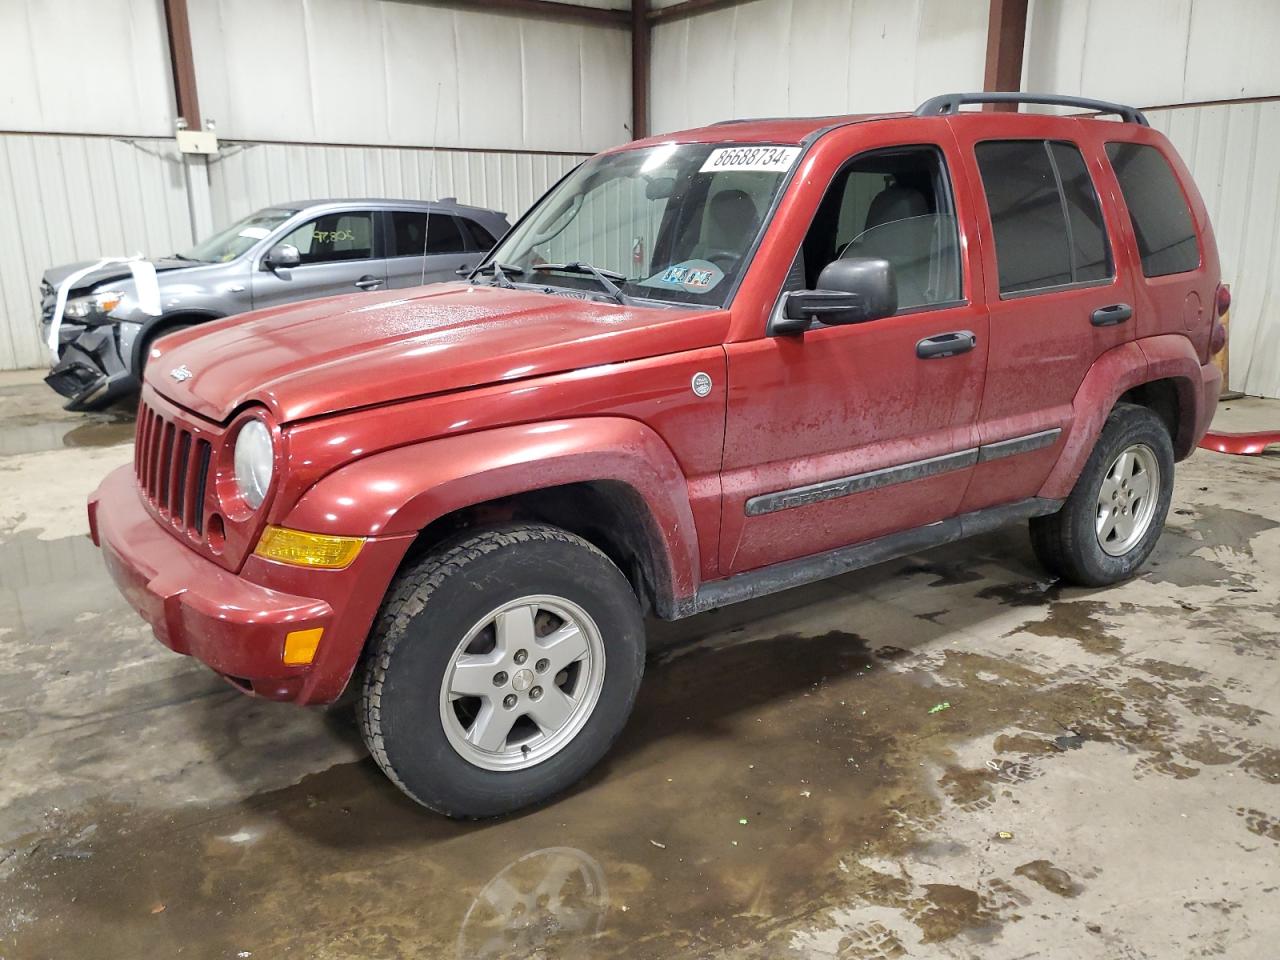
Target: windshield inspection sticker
(693, 276)
(760, 159)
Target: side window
(412, 234)
(1045, 214)
(896, 205)
(1090, 252)
(482, 238)
(1161, 219)
(334, 237)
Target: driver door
(339, 253)
(843, 434)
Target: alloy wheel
(522, 683)
(1127, 499)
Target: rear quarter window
(1158, 209)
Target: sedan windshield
(673, 222)
(240, 236)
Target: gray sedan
(284, 253)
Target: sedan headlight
(254, 462)
(97, 304)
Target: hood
(112, 271)
(325, 356)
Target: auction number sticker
(763, 159)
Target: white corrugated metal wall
(248, 176)
(814, 57)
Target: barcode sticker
(765, 159)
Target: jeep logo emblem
(181, 373)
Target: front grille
(172, 466)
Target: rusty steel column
(639, 69)
(1006, 40)
(182, 62)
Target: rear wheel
(503, 666)
(1116, 512)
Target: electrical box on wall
(198, 141)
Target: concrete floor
(946, 756)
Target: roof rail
(949, 103)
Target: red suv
(703, 368)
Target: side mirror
(282, 255)
(849, 291)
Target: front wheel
(503, 666)
(1115, 514)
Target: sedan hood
(112, 271)
(325, 356)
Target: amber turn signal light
(302, 549)
(300, 646)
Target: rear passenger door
(1056, 300)
(338, 253)
(425, 248)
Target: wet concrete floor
(946, 756)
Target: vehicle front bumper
(93, 364)
(236, 623)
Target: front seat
(900, 229)
(731, 223)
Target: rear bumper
(236, 623)
(1210, 390)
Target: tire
(456, 619)
(1077, 543)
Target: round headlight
(254, 461)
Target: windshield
(239, 237)
(672, 222)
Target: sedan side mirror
(282, 255)
(849, 291)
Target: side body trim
(859, 482)
(901, 473)
(795, 573)
(1016, 445)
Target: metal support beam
(548, 10)
(1006, 39)
(678, 11)
(640, 31)
(182, 62)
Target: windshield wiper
(604, 277)
(500, 271)
(179, 256)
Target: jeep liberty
(704, 367)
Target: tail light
(1223, 299)
(1218, 338)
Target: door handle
(1109, 316)
(462, 271)
(946, 345)
(368, 282)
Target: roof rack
(949, 103)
